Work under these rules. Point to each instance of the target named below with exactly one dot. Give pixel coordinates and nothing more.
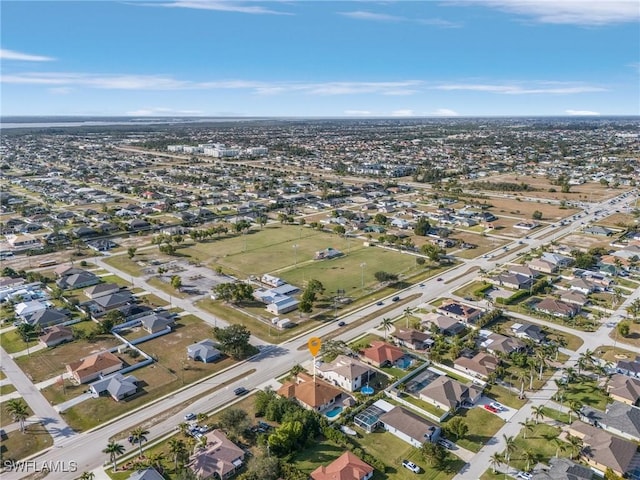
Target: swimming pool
(334, 412)
(404, 363)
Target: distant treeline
(502, 186)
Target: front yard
(482, 425)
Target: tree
(178, 450)
(284, 440)
(263, 468)
(624, 328)
(509, 447)
(113, 450)
(87, 476)
(26, 330)
(434, 454)
(234, 420)
(385, 276)
(432, 251)
(176, 282)
(380, 219)
(339, 230)
(139, 435)
(386, 324)
(458, 427)
(131, 252)
(560, 445)
(529, 457)
(574, 407)
(495, 459)
(527, 426)
(537, 215)
(538, 412)
(421, 227)
(234, 341)
(18, 410)
(575, 445)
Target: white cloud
(579, 12)
(581, 113)
(445, 112)
(377, 17)
(403, 113)
(25, 57)
(358, 113)
(160, 111)
(554, 88)
(220, 6)
(61, 90)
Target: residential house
(102, 245)
(523, 270)
(45, 318)
(557, 259)
(619, 418)
(78, 280)
(156, 323)
(382, 354)
(101, 289)
(117, 386)
(148, 473)
(624, 389)
(409, 427)
(581, 285)
(312, 394)
(346, 467)
(528, 331)
(481, 365)
(271, 280)
(557, 308)
(543, 266)
(90, 368)
(346, 372)
(515, 281)
(56, 335)
(563, 469)
(26, 309)
(19, 243)
(449, 394)
(499, 344)
(204, 350)
(603, 450)
(575, 298)
(219, 458)
(461, 312)
(598, 230)
(111, 301)
(412, 338)
(444, 325)
(630, 368)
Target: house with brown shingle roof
(624, 389)
(603, 450)
(346, 467)
(219, 458)
(56, 335)
(412, 338)
(449, 394)
(313, 394)
(557, 308)
(461, 312)
(481, 365)
(382, 353)
(92, 367)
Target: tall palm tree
(154, 460)
(407, 314)
(527, 426)
(183, 427)
(575, 445)
(18, 410)
(521, 376)
(574, 407)
(386, 325)
(541, 357)
(495, 459)
(561, 446)
(114, 449)
(178, 449)
(139, 435)
(538, 412)
(529, 458)
(509, 447)
(87, 476)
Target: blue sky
(320, 58)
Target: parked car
(490, 408)
(411, 466)
(524, 475)
(240, 391)
(497, 406)
(189, 416)
(446, 443)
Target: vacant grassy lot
(484, 243)
(505, 397)
(122, 262)
(346, 272)
(538, 442)
(6, 418)
(610, 354)
(48, 363)
(20, 445)
(12, 342)
(482, 427)
(586, 392)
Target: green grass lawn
(122, 262)
(556, 415)
(5, 389)
(539, 442)
(6, 418)
(505, 397)
(586, 392)
(482, 425)
(20, 445)
(12, 342)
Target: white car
(497, 406)
(524, 475)
(411, 466)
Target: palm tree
(561, 446)
(527, 426)
(183, 428)
(575, 408)
(541, 356)
(529, 457)
(407, 314)
(178, 449)
(201, 417)
(509, 447)
(19, 410)
(87, 476)
(114, 449)
(538, 412)
(386, 325)
(521, 376)
(575, 445)
(139, 435)
(495, 459)
(154, 460)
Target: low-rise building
(92, 367)
(346, 467)
(219, 458)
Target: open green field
(346, 272)
(539, 443)
(21, 445)
(586, 392)
(482, 427)
(12, 342)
